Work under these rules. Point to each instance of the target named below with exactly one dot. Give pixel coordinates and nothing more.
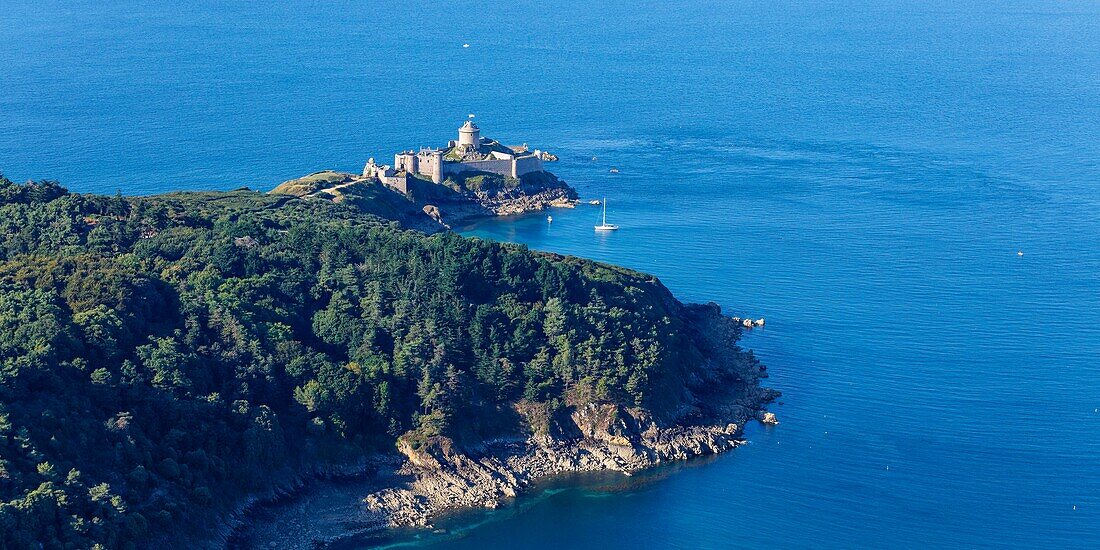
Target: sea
(907, 192)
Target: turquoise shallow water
(862, 174)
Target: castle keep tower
(469, 135)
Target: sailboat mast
(605, 210)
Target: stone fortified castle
(469, 153)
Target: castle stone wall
(399, 182)
(502, 167)
(526, 165)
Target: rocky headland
(293, 369)
(430, 207)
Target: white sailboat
(606, 226)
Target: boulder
(433, 212)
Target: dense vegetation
(160, 357)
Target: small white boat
(1019, 252)
(465, 45)
(614, 170)
(606, 226)
(549, 219)
(594, 202)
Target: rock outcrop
(749, 323)
(442, 477)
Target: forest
(162, 357)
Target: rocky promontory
(429, 207)
(289, 369)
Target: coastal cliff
(430, 207)
(431, 477)
(590, 438)
(579, 438)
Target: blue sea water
(860, 173)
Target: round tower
(469, 135)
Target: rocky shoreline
(438, 476)
(444, 479)
(451, 214)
